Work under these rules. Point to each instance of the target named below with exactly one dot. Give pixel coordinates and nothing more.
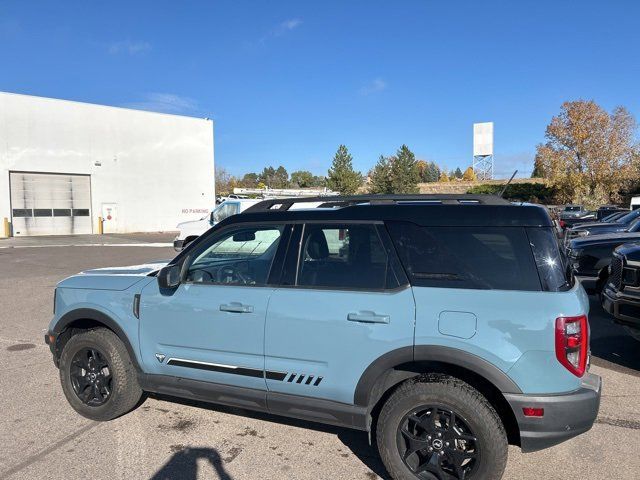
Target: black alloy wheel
(91, 377)
(436, 444)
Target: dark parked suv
(621, 289)
(588, 256)
(443, 325)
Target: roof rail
(350, 200)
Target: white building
(64, 164)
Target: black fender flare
(90, 314)
(384, 370)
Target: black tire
(472, 412)
(124, 393)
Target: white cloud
(286, 26)
(166, 103)
(375, 86)
(128, 47)
(281, 29)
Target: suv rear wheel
(97, 375)
(439, 427)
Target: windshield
(613, 217)
(629, 217)
(634, 226)
(572, 208)
(224, 210)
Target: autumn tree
(589, 154)
(404, 172)
(422, 169)
(380, 176)
(469, 175)
(443, 177)
(222, 181)
(342, 177)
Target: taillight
(572, 343)
(562, 224)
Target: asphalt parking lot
(41, 436)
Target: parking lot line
(157, 244)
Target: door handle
(368, 317)
(236, 307)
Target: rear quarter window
(551, 265)
(466, 257)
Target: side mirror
(169, 276)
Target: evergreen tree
(380, 176)
(432, 172)
(267, 176)
(281, 178)
(250, 180)
(404, 172)
(537, 169)
(457, 173)
(342, 177)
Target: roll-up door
(50, 204)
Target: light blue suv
(442, 325)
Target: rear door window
(344, 257)
(466, 257)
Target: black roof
(428, 210)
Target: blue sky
(287, 82)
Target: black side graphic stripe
(279, 376)
(247, 371)
(212, 367)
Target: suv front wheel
(439, 427)
(97, 375)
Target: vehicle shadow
(356, 441)
(611, 346)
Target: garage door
(50, 204)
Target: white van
(189, 231)
(635, 203)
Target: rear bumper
(626, 310)
(565, 415)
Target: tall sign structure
(483, 150)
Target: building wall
(157, 168)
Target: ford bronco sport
(444, 326)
